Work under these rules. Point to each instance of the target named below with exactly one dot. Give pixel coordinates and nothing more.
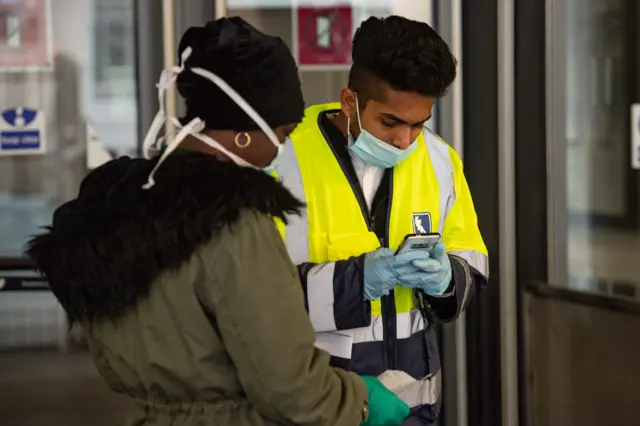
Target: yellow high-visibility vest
(428, 191)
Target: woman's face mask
(196, 126)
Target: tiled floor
(55, 389)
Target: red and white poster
(25, 35)
(323, 36)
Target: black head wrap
(259, 67)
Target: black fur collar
(105, 248)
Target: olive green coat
(189, 301)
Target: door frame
(533, 156)
(481, 129)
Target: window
(594, 190)
(114, 52)
(12, 31)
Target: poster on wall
(323, 29)
(322, 36)
(22, 131)
(25, 36)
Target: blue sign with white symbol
(421, 223)
(21, 131)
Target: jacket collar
(105, 248)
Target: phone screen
(425, 242)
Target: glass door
(68, 96)
(82, 88)
(594, 192)
(578, 228)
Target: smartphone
(414, 242)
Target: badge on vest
(421, 223)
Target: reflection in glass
(602, 247)
(89, 91)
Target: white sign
(635, 136)
(22, 131)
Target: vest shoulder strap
(310, 120)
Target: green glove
(385, 408)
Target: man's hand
(432, 274)
(383, 270)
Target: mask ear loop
(176, 123)
(167, 79)
(358, 112)
(218, 146)
(194, 126)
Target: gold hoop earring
(246, 143)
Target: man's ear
(348, 102)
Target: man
(370, 173)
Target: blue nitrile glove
(383, 270)
(433, 275)
(385, 408)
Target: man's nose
(402, 139)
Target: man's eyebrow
(400, 120)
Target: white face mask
(194, 128)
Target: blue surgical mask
(373, 151)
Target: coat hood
(105, 248)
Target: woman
(176, 271)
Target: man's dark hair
(407, 55)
